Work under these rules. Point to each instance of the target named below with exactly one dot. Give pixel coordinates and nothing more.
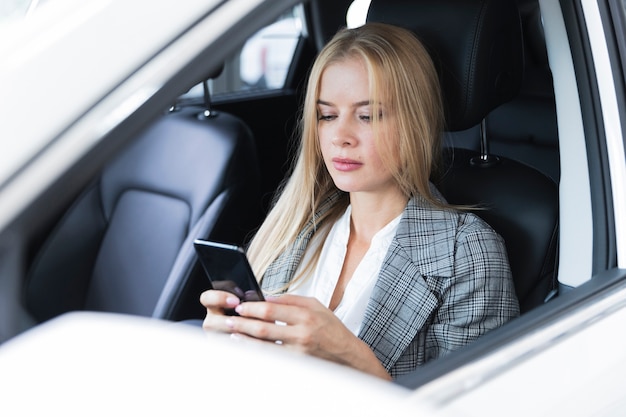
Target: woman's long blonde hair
(402, 77)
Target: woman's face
(345, 130)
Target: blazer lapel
(402, 302)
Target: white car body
(68, 78)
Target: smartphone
(228, 269)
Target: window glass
(266, 56)
(15, 9)
(263, 62)
(357, 13)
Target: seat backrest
(126, 244)
(477, 47)
(525, 128)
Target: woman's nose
(344, 133)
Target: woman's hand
(219, 305)
(297, 322)
(301, 323)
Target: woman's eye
(368, 117)
(325, 117)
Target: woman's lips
(346, 165)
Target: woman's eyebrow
(357, 104)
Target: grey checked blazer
(444, 282)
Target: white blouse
(351, 309)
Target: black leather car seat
(525, 128)
(126, 245)
(478, 48)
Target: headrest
(476, 45)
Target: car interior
(208, 166)
(125, 244)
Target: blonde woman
(364, 261)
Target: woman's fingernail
(238, 309)
(232, 301)
(229, 323)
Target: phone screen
(228, 269)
